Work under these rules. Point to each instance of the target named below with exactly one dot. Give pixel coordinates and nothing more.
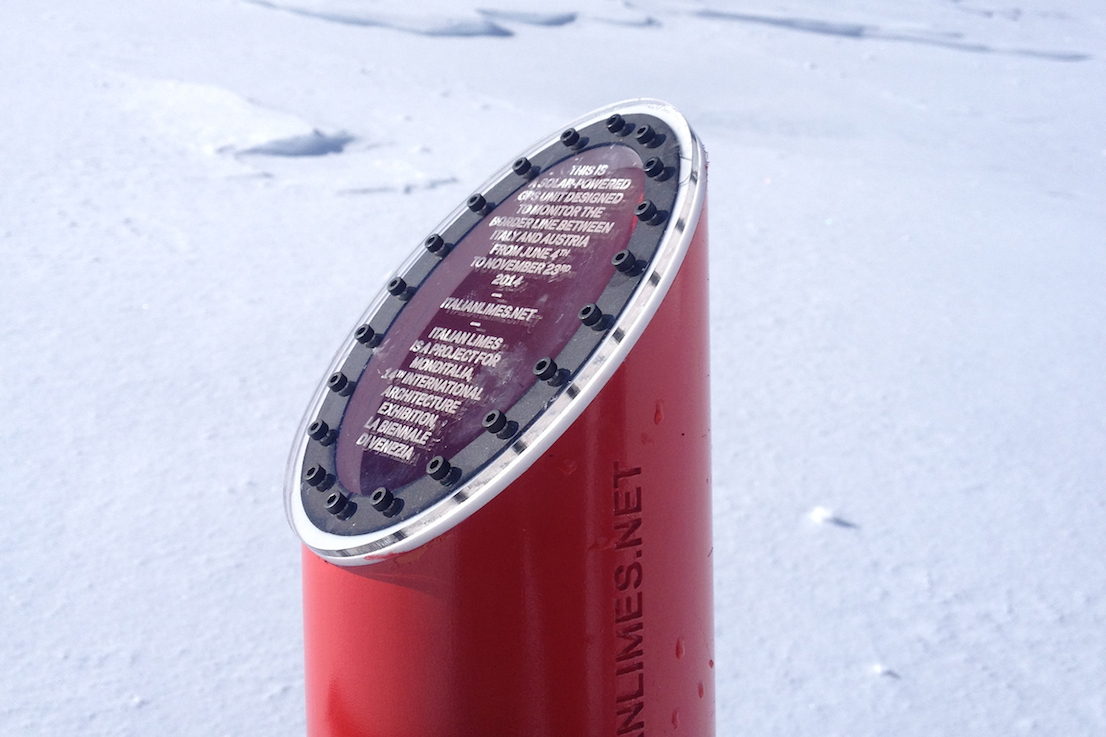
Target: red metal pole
(576, 602)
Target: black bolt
(318, 430)
(615, 123)
(497, 424)
(397, 286)
(591, 316)
(399, 289)
(440, 469)
(339, 384)
(647, 212)
(625, 262)
(494, 421)
(521, 166)
(477, 203)
(365, 335)
(436, 245)
(315, 475)
(644, 134)
(437, 468)
(570, 137)
(381, 499)
(654, 167)
(336, 503)
(545, 369)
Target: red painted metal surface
(576, 603)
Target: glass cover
(466, 342)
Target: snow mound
(215, 120)
(528, 18)
(315, 143)
(433, 21)
(944, 39)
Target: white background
(908, 233)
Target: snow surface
(908, 218)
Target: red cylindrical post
(576, 599)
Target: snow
(907, 212)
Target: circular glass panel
(467, 340)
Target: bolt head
(476, 203)
(590, 314)
(545, 369)
(365, 335)
(645, 210)
(438, 468)
(339, 383)
(397, 286)
(494, 421)
(434, 243)
(380, 499)
(336, 503)
(314, 475)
